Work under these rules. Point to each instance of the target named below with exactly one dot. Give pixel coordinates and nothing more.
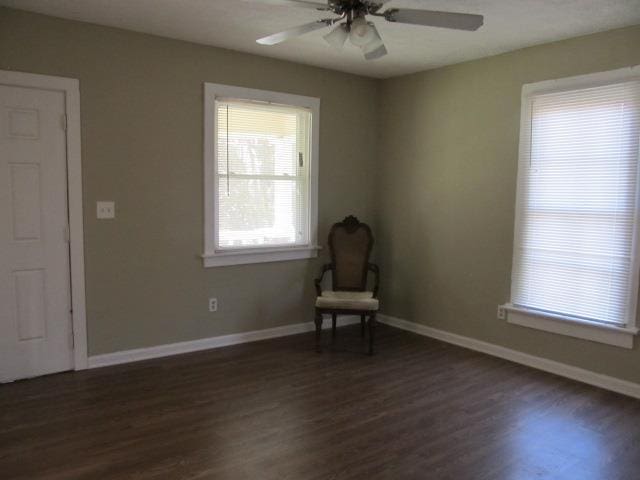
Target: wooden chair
(350, 244)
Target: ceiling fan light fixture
(364, 34)
(361, 32)
(337, 36)
(375, 48)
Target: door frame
(71, 89)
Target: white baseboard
(135, 355)
(586, 376)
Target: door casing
(70, 87)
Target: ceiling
(235, 24)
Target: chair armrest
(372, 267)
(318, 281)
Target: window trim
(570, 326)
(215, 258)
(622, 335)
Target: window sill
(243, 257)
(572, 327)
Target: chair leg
(363, 320)
(334, 318)
(372, 331)
(318, 321)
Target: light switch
(106, 210)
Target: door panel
(30, 303)
(25, 193)
(35, 317)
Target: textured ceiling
(235, 24)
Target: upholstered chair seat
(347, 300)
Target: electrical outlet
(105, 210)
(502, 312)
(213, 304)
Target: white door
(35, 317)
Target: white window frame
(213, 257)
(621, 336)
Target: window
(575, 248)
(261, 169)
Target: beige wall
(447, 179)
(141, 107)
(442, 201)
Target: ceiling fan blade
(432, 18)
(374, 49)
(298, 3)
(376, 5)
(293, 32)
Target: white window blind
(262, 175)
(577, 204)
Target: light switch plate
(106, 209)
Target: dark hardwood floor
(418, 409)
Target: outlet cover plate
(106, 210)
(213, 304)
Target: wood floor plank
(418, 409)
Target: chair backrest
(350, 243)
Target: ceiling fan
(353, 24)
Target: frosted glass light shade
(375, 48)
(337, 36)
(361, 32)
